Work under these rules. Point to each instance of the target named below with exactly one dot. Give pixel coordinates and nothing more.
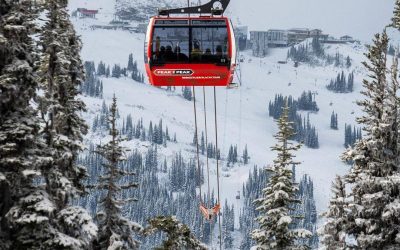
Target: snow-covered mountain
(359, 18)
(243, 117)
(140, 10)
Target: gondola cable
(207, 212)
(208, 167)
(197, 143)
(217, 158)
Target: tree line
(313, 53)
(342, 85)
(303, 130)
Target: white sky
(358, 18)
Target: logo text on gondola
(173, 72)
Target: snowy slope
(242, 113)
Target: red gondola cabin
(187, 51)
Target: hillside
(243, 117)
(262, 79)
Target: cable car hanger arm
(207, 8)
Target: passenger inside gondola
(169, 55)
(207, 56)
(195, 55)
(180, 57)
(158, 44)
(218, 53)
(170, 45)
(161, 57)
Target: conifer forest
(194, 125)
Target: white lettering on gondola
(173, 72)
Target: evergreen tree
(317, 47)
(116, 231)
(108, 71)
(150, 133)
(40, 216)
(230, 155)
(160, 137)
(130, 63)
(202, 144)
(245, 156)
(299, 53)
(61, 76)
(165, 166)
(334, 121)
(375, 200)
(337, 60)
(307, 209)
(187, 93)
(156, 135)
(306, 102)
(274, 219)
(167, 134)
(194, 141)
(179, 236)
(350, 83)
(143, 135)
(333, 233)
(22, 152)
(124, 72)
(348, 62)
(396, 16)
(235, 154)
(101, 69)
(351, 135)
(341, 84)
(391, 50)
(92, 86)
(228, 225)
(116, 71)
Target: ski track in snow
(262, 79)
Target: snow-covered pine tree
(228, 225)
(396, 16)
(33, 218)
(61, 75)
(115, 231)
(179, 236)
(108, 71)
(337, 60)
(334, 121)
(24, 207)
(373, 217)
(279, 195)
(348, 62)
(317, 47)
(130, 63)
(202, 143)
(245, 155)
(333, 233)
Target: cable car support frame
(208, 8)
